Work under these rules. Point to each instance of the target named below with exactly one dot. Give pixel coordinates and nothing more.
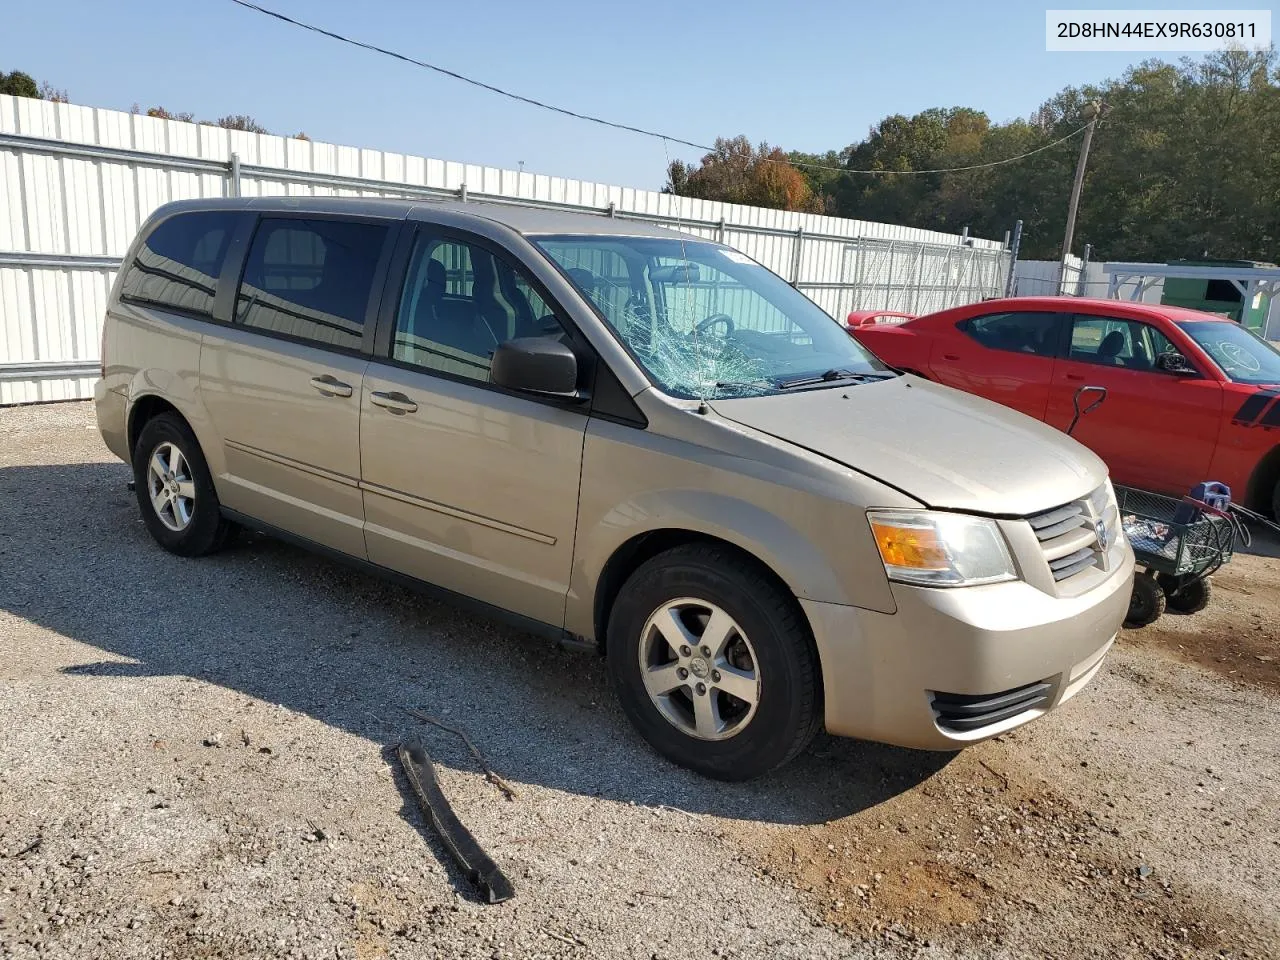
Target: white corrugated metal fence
(76, 182)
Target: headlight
(940, 549)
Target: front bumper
(881, 671)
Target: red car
(1190, 396)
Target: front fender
(819, 547)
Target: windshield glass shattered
(1242, 355)
(705, 321)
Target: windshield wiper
(829, 376)
(732, 384)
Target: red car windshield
(1242, 355)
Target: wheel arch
(153, 391)
(1261, 493)
(633, 553)
(144, 409)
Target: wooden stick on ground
(492, 777)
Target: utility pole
(1092, 110)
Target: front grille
(964, 712)
(1068, 534)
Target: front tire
(714, 663)
(175, 489)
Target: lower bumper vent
(965, 712)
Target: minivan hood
(946, 448)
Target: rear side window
(1034, 333)
(179, 263)
(310, 279)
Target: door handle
(950, 356)
(1073, 377)
(396, 402)
(331, 386)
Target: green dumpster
(1217, 295)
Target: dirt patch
(220, 748)
(980, 857)
(1238, 634)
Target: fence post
(919, 279)
(613, 209)
(795, 259)
(888, 282)
(462, 193)
(1084, 268)
(857, 275)
(720, 234)
(1013, 258)
(235, 175)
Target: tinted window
(1111, 342)
(311, 279)
(179, 263)
(1034, 333)
(459, 302)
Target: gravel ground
(196, 761)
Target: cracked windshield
(707, 322)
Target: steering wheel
(1237, 356)
(716, 318)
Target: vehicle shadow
(284, 626)
(1265, 541)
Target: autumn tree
(736, 172)
(1186, 163)
(240, 121)
(161, 113)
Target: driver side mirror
(1175, 363)
(541, 365)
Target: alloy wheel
(699, 669)
(171, 487)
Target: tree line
(19, 84)
(1185, 162)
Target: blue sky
(799, 74)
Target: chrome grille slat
(1058, 529)
(1068, 536)
(1057, 515)
(1072, 564)
(1077, 538)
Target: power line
(614, 124)
(465, 79)
(972, 166)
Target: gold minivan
(619, 435)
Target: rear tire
(175, 489)
(1189, 598)
(734, 629)
(1146, 603)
